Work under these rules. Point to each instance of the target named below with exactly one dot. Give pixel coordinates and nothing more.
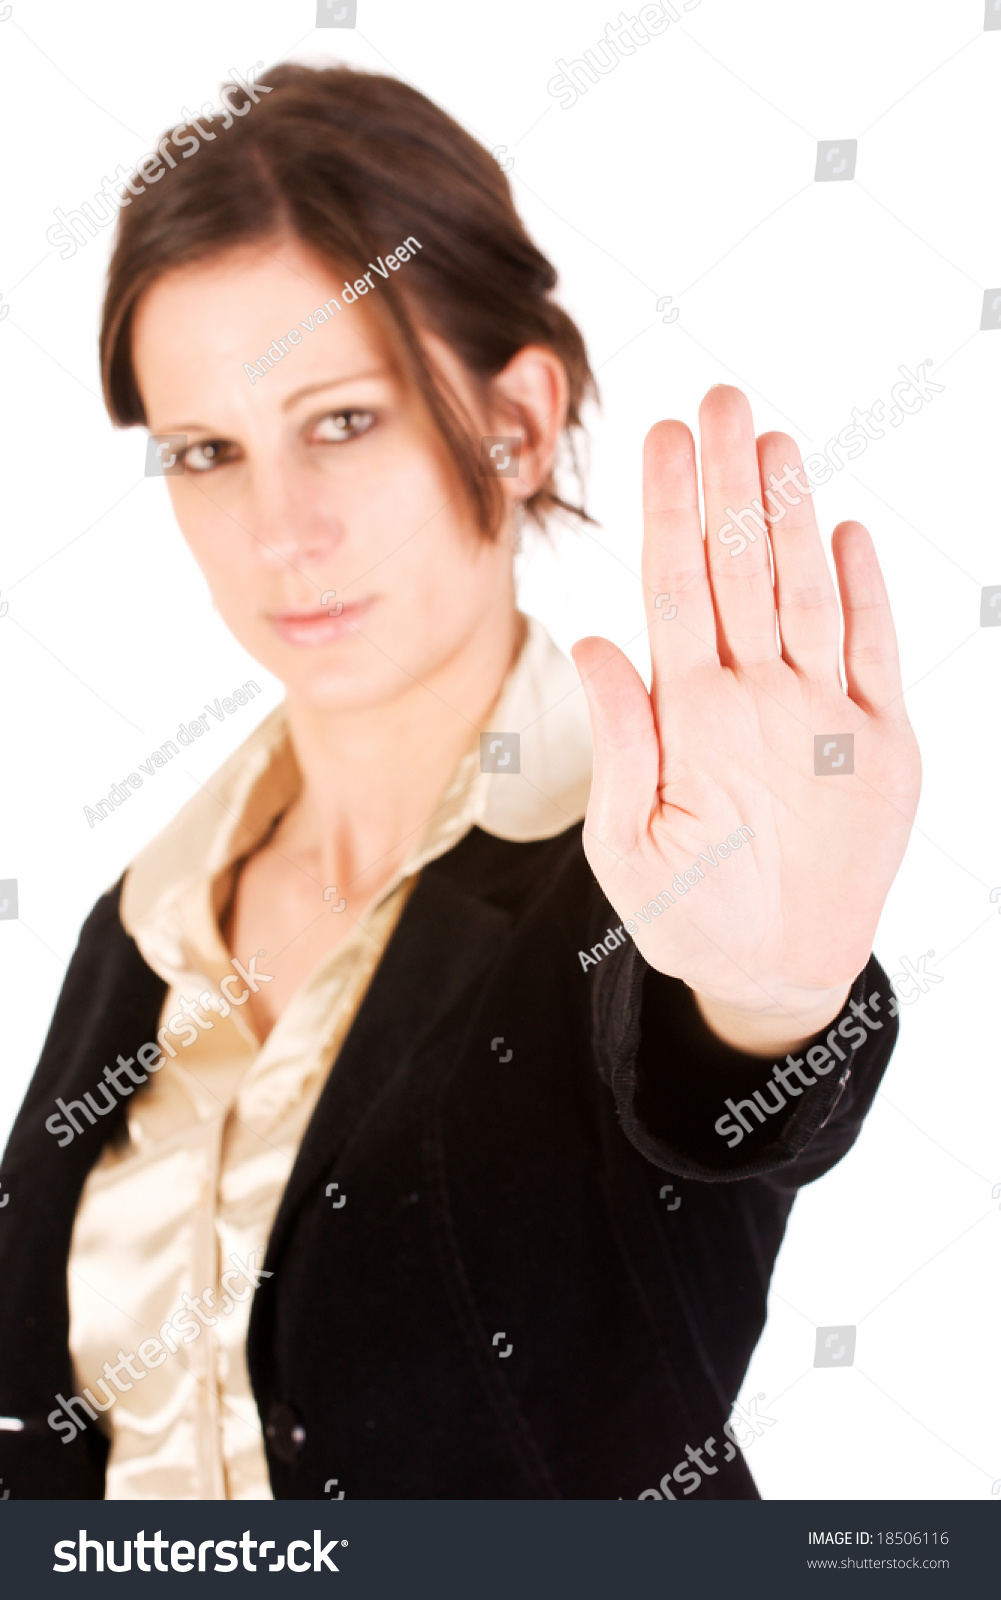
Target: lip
(317, 627)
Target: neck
(373, 777)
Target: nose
(291, 517)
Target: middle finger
(737, 546)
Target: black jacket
(512, 1134)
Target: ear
(529, 398)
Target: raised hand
(746, 675)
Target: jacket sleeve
(696, 1107)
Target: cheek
(404, 495)
(411, 537)
(439, 590)
(200, 521)
(220, 551)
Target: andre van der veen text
(278, 348)
(615, 936)
(119, 792)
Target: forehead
(198, 326)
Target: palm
(725, 737)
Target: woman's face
(320, 486)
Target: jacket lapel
(445, 939)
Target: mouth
(318, 626)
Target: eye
(208, 453)
(339, 426)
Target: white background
(686, 171)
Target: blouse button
(284, 1431)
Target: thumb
(626, 750)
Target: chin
(344, 686)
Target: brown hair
(351, 163)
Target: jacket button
(284, 1431)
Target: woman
(396, 1135)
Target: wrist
(783, 1025)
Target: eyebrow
(334, 383)
(300, 394)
